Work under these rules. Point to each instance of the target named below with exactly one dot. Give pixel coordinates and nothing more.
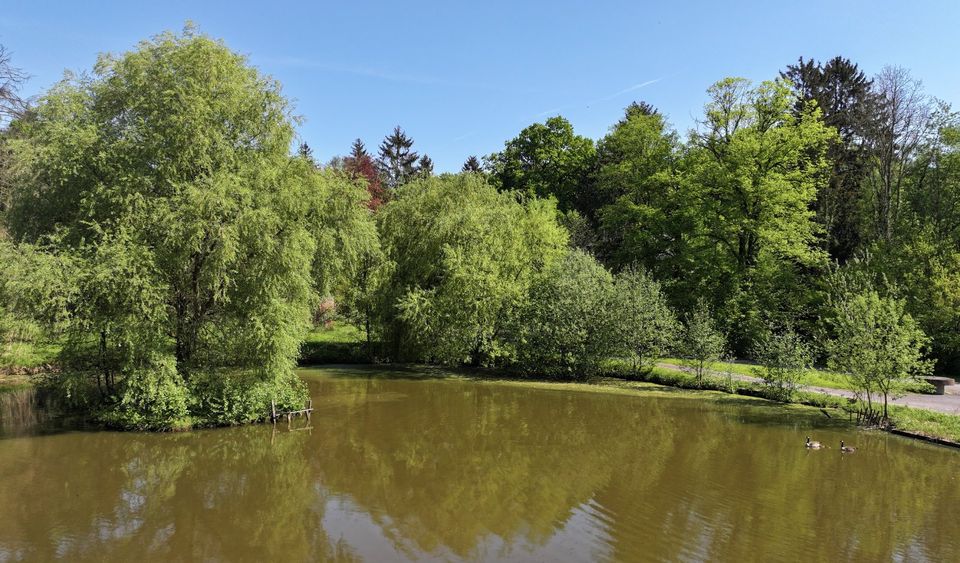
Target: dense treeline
(158, 228)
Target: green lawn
(27, 354)
(928, 423)
(814, 377)
(919, 421)
(341, 344)
(340, 333)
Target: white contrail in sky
(603, 99)
(626, 90)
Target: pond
(403, 466)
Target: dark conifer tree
(472, 164)
(425, 166)
(358, 150)
(398, 160)
(304, 151)
(849, 105)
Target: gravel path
(948, 403)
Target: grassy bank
(918, 421)
(20, 362)
(340, 344)
(19, 356)
(343, 344)
(814, 377)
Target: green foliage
(703, 344)
(231, 396)
(877, 345)
(637, 149)
(343, 229)
(565, 329)
(544, 160)
(752, 174)
(154, 397)
(461, 258)
(162, 189)
(784, 358)
(643, 324)
(635, 189)
(32, 285)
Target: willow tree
(461, 258)
(166, 172)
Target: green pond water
(409, 467)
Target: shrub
(644, 326)
(784, 359)
(564, 328)
(702, 345)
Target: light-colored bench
(939, 382)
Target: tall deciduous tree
(641, 211)
(901, 126)
(752, 175)
(547, 159)
(398, 160)
(11, 106)
(12, 79)
(756, 170)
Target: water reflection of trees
(225, 495)
(478, 470)
(24, 411)
(457, 463)
(453, 463)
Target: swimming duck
(813, 445)
(847, 449)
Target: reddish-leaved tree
(360, 165)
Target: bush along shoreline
(168, 241)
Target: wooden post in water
(273, 411)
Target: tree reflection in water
(450, 469)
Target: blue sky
(462, 77)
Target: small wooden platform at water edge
(275, 416)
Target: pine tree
(358, 150)
(398, 160)
(472, 164)
(425, 167)
(304, 151)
